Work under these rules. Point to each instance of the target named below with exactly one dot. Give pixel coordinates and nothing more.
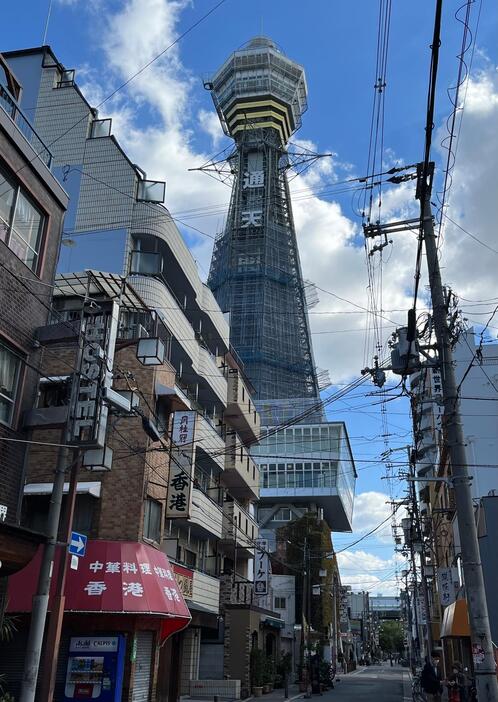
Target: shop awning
(456, 620)
(112, 577)
(274, 622)
(82, 488)
(17, 547)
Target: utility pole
(485, 669)
(40, 600)
(54, 629)
(307, 609)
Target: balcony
(11, 108)
(206, 591)
(209, 442)
(206, 517)
(240, 410)
(241, 473)
(239, 529)
(186, 349)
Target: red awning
(113, 577)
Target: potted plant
(269, 674)
(257, 671)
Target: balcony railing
(206, 514)
(13, 110)
(241, 409)
(238, 525)
(241, 472)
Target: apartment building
(32, 206)
(123, 593)
(476, 375)
(117, 223)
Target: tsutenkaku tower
(255, 273)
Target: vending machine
(95, 668)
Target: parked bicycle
(418, 695)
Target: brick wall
(140, 467)
(21, 313)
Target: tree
(391, 638)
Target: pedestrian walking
(457, 684)
(430, 680)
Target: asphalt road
(375, 683)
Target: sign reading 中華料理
(180, 467)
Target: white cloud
(209, 122)
(155, 115)
(365, 571)
(328, 238)
(370, 509)
(472, 196)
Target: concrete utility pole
(484, 661)
(40, 600)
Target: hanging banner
(448, 585)
(180, 478)
(261, 568)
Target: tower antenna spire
(260, 96)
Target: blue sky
(165, 121)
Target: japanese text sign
(88, 420)
(448, 584)
(180, 468)
(261, 568)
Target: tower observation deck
(260, 96)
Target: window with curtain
(21, 222)
(10, 365)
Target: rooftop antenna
(46, 22)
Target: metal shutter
(143, 662)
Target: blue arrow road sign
(77, 544)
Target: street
(381, 683)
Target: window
(280, 603)
(21, 223)
(190, 558)
(100, 128)
(66, 78)
(282, 515)
(152, 520)
(10, 365)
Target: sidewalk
(275, 696)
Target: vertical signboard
(261, 568)
(449, 584)
(88, 417)
(180, 479)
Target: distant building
(384, 607)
